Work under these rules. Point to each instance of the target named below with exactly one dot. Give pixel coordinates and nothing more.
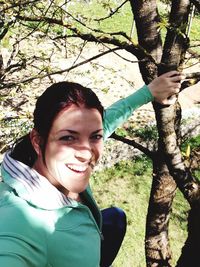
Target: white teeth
(77, 168)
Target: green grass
(195, 30)
(127, 185)
(91, 14)
(194, 142)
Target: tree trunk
(168, 162)
(175, 47)
(163, 189)
(146, 20)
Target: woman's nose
(84, 153)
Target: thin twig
(112, 12)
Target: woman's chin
(78, 186)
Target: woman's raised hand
(165, 87)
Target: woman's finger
(177, 78)
(172, 73)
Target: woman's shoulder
(16, 214)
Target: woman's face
(74, 145)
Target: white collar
(32, 186)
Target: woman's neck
(74, 196)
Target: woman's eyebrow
(68, 130)
(75, 132)
(97, 131)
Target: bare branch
(190, 79)
(135, 49)
(127, 141)
(192, 75)
(112, 12)
(79, 54)
(39, 22)
(69, 26)
(20, 3)
(5, 30)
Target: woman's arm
(160, 89)
(120, 111)
(14, 251)
(12, 260)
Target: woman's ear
(36, 141)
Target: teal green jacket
(38, 235)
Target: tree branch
(20, 3)
(134, 49)
(190, 79)
(192, 75)
(112, 12)
(127, 141)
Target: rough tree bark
(168, 165)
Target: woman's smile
(77, 168)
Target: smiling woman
(45, 189)
(72, 150)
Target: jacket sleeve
(12, 260)
(120, 111)
(22, 240)
(13, 252)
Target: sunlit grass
(97, 15)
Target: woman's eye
(67, 138)
(97, 137)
